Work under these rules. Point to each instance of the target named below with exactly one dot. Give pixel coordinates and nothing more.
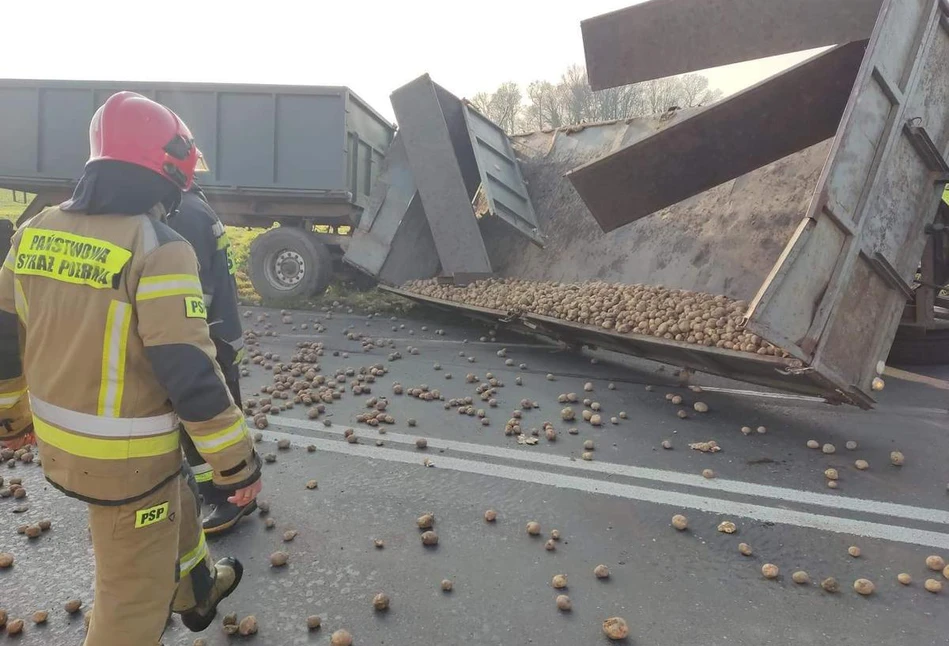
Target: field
(371, 300)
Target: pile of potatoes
(674, 314)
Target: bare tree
(571, 100)
(503, 106)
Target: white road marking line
(631, 492)
(644, 473)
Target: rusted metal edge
(666, 37)
(773, 372)
(780, 116)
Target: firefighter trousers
(151, 559)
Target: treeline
(571, 100)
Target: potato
(279, 559)
(533, 528)
(831, 474)
(14, 626)
(861, 465)
(935, 563)
(426, 521)
(770, 571)
(490, 515)
(73, 605)
(854, 551)
(666, 444)
(6, 560)
(897, 459)
(563, 603)
(829, 449)
(813, 444)
(864, 587)
(559, 581)
(601, 572)
(380, 602)
(680, 522)
(832, 484)
(447, 585)
(700, 407)
(851, 445)
(40, 617)
(744, 549)
(708, 474)
(550, 545)
(932, 585)
(341, 638)
(616, 628)
(313, 622)
(746, 430)
(429, 538)
(801, 577)
(727, 527)
(586, 456)
(904, 578)
(248, 626)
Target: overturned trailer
(813, 200)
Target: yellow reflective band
(152, 287)
(217, 442)
(114, 345)
(19, 302)
(223, 242)
(151, 515)
(207, 476)
(194, 308)
(101, 449)
(70, 258)
(193, 558)
(239, 357)
(9, 399)
(945, 195)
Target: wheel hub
(289, 268)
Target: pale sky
(372, 46)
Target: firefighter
(197, 223)
(16, 423)
(116, 351)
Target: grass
(10, 208)
(346, 294)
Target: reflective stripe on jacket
(115, 351)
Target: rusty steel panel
(501, 179)
(834, 298)
(667, 37)
(393, 242)
(767, 122)
(439, 179)
(752, 368)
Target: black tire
(288, 263)
(928, 349)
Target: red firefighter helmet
(134, 129)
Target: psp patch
(151, 515)
(194, 308)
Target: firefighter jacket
(197, 223)
(116, 351)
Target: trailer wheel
(289, 262)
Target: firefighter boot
(227, 575)
(224, 515)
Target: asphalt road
(673, 588)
